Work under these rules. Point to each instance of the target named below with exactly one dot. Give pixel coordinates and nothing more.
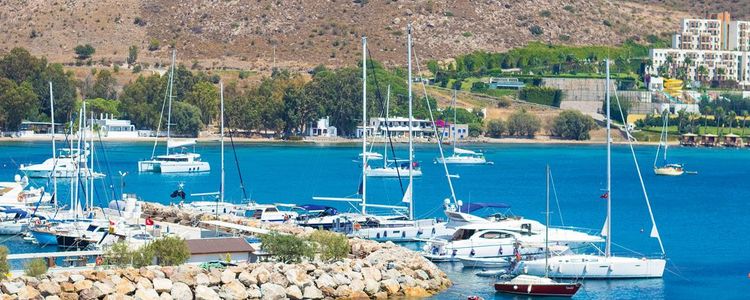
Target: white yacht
(604, 265)
(667, 169)
(394, 171)
(173, 161)
(67, 163)
(15, 193)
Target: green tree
(745, 114)
(35, 268)
(141, 101)
(299, 109)
(132, 54)
(104, 86)
(205, 96)
(330, 245)
(496, 128)
(84, 51)
(573, 125)
(19, 65)
(186, 118)
(154, 44)
(615, 109)
(523, 123)
(17, 102)
(103, 106)
(286, 248)
(170, 251)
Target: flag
(605, 195)
(407, 195)
(149, 221)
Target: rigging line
(640, 177)
(161, 114)
(557, 201)
(379, 97)
(434, 128)
(107, 165)
(239, 171)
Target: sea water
(703, 219)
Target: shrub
(607, 23)
(615, 109)
(4, 266)
(118, 255)
(35, 268)
(478, 87)
(286, 248)
(536, 30)
(132, 54)
(522, 123)
(504, 101)
(137, 69)
(475, 129)
(569, 8)
(572, 125)
(84, 51)
(139, 21)
(330, 245)
(244, 74)
(154, 44)
(169, 251)
(541, 95)
(496, 128)
(545, 13)
(116, 68)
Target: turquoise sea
(703, 219)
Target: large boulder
(28, 292)
(391, 286)
(124, 287)
(325, 280)
(233, 290)
(146, 294)
(49, 288)
(253, 292)
(372, 287)
(162, 285)
(185, 277)
(181, 291)
(293, 292)
(272, 291)
(203, 292)
(82, 285)
(76, 277)
(227, 276)
(371, 274)
(312, 292)
(12, 287)
(200, 279)
(261, 274)
(298, 277)
(247, 279)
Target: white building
(398, 127)
(110, 127)
(222, 249)
(322, 128)
(718, 44)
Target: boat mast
(169, 110)
(411, 121)
(455, 130)
(54, 150)
(546, 230)
(665, 134)
(91, 168)
(364, 125)
(387, 133)
(607, 249)
(221, 94)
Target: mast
(91, 168)
(454, 131)
(169, 110)
(665, 134)
(364, 125)
(411, 121)
(546, 231)
(54, 150)
(387, 133)
(221, 94)
(608, 248)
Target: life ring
(99, 261)
(357, 226)
(37, 222)
(21, 197)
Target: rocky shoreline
(372, 271)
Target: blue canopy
(314, 207)
(20, 213)
(467, 208)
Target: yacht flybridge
(603, 265)
(177, 159)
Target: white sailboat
(667, 169)
(603, 265)
(395, 168)
(460, 155)
(177, 159)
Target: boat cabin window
(271, 209)
(496, 235)
(462, 234)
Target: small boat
(491, 273)
(668, 169)
(460, 156)
(485, 262)
(537, 286)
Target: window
(493, 235)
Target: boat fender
(500, 250)
(358, 226)
(403, 234)
(472, 252)
(377, 235)
(385, 234)
(99, 260)
(528, 290)
(433, 231)
(454, 252)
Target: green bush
(132, 54)
(504, 101)
(478, 87)
(536, 30)
(154, 44)
(244, 74)
(572, 125)
(84, 51)
(475, 129)
(286, 248)
(330, 245)
(4, 266)
(541, 95)
(615, 109)
(496, 128)
(522, 123)
(169, 251)
(35, 268)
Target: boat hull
(551, 290)
(462, 161)
(392, 172)
(595, 267)
(485, 262)
(44, 238)
(170, 167)
(668, 171)
(406, 233)
(13, 228)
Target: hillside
(244, 34)
(738, 8)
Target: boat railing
(579, 229)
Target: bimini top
(467, 208)
(463, 151)
(315, 207)
(180, 143)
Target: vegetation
(496, 128)
(523, 123)
(132, 54)
(572, 125)
(35, 267)
(84, 51)
(285, 247)
(4, 266)
(154, 44)
(330, 245)
(618, 109)
(541, 95)
(169, 251)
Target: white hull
(392, 172)
(173, 167)
(406, 231)
(462, 160)
(669, 171)
(485, 262)
(595, 267)
(13, 227)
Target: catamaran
(177, 159)
(604, 265)
(668, 169)
(460, 155)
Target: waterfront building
(322, 128)
(111, 127)
(715, 48)
(398, 127)
(222, 249)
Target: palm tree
(744, 119)
(706, 112)
(719, 116)
(703, 71)
(731, 116)
(669, 60)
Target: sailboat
(603, 265)
(395, 168)
(173, 161)
(537, 285)
(668, 169)
(460, 155)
